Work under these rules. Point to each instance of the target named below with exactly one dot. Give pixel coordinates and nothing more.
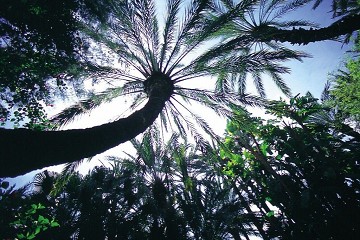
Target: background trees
(344, 87)
(43, 52)
(165, 190)
(38, 42)
(305, 167)
(294, 176)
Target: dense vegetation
(293, 176)
(346, 86)
(157, 55)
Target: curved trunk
(346, 25)
(24, 150)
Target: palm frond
(148, 26)
(294, 23)
(206, 29)
(71, 167)
(200, 121)
(177, 119)
(237, 44)
(267, 8)
(325, 94)
(280, 83)
(223, 85)
(94, 101)
(169, 29)
(263, 61)
(317, 3)
(214, 101)
(40, 177)
(220, 101)
(288, 7)
(258, 83)
(191, 19)
(131, 26)
(240, 82)
(120, 40)
(182, 120)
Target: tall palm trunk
(24, 150)
(346, 25)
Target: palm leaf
(94, 101)
(190, 20)
(288, 7)
(169, 29)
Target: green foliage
(307, 169)
(20, 217)
(302, 165)
(38, 45)
(295, 175)
(10, 202)
(164, 190)
(42, 52)
(346, 89)
(30, 223)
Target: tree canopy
(346, 85)
(290, 179)
(93, 33)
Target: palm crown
(164, 58)
(155, 65)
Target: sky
(310, 75)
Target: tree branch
(346, 25)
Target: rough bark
(24, 150)
(346, 25)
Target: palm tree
(247, 35)
(305, 153)
(164, 190)
(263, 27)
(344, 26)
(341, 7)
(158, 63)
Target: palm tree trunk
(346, 25)
(24, 150)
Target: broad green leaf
(54, 224)
(270, 214)
(21, 236)
(37, 230)
(264, 148)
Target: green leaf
(16, 222)
(37, 230)
(21, 236)
(264, 148)
(31, 236)
(270, 214)
(41, 218)
(292, 101)
(40, 206)
(54, 224)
